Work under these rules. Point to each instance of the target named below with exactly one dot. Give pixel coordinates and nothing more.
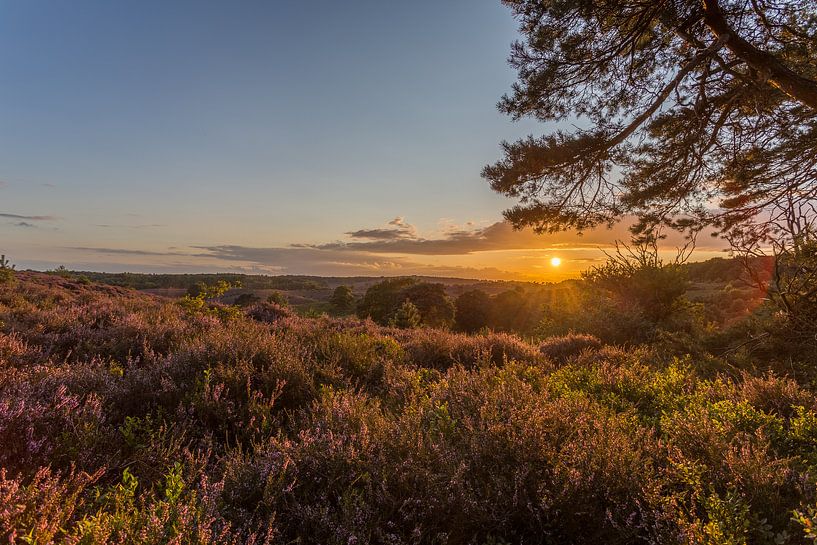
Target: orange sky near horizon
(492, 251)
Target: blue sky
(155, 135)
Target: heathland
(128, 417)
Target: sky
(275, 137)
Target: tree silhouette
(689, 112)
(474, 311)
(343, 300)
(436, 309)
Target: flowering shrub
(441, 349)
(563, 348)
(126, 418)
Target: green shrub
(6, 271)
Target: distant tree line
(142, 281)
(405, 302)
(632, 298)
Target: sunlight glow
(555, 261)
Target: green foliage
(362, 356)
(278, 298)
(199, 303)
(728, 522)
(407, 316)
(807, 518)
(6, 271)
(637, 276)
(434, 306)
(343, 300)
(384, 298)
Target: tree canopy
(343, 299)
(383, 299)
(473, 311)
(431, 301)
(687, 112)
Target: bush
(406, 316)
(440, 350)
(561, 349)
(268, 312)
(6, 271)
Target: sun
(555, 261)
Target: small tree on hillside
(202, 302)
(343, 299)
(407, 316)
(6, 270)
(278, 298)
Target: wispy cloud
(464, 240)
(127, 251)
(140, 226)
(397, 229)
(27, 218)
(343, 262)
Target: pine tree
(343, 300)
(407, 316)
(703, 110)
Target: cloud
(398, 249)
(398, 229)
(343, 262)
(126, 251)
(27, 218)
(141, 226)
(499, 236)
(378, 234)
(24, 224)
(455, 240)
